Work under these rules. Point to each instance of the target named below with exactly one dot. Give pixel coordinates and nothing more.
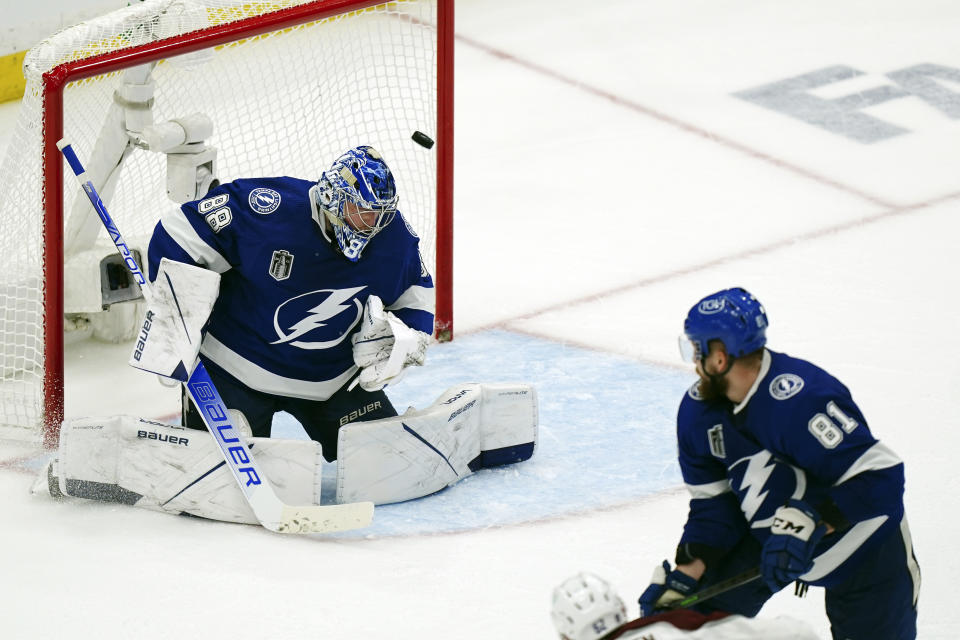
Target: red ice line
(17, 464)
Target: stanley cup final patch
(281, 264)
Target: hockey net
(288, 85)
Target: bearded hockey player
(785, 475)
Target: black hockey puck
(422, 139)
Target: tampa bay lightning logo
(694, 391)
(786, 385)
(264, 201)
(318, 320)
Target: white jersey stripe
(912, 565)
(709, 490)
(183, 233)
(850, 542)
(258, 378)
(879, 456)
(415, 297)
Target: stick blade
(323, 518)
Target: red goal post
(387, 113)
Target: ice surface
(606, 177)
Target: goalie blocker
(176, 470)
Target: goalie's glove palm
(385, 346)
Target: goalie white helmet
(585, 607)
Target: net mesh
(282, 103)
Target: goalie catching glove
(385, 346)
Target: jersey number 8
(826, 431)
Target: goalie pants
(320, 419)
(877, 602)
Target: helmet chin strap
(714, 377)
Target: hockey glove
(385, 346)
(171, 330)
(666, 587)
(788, 553)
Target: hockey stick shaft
(105, 218)
(694, 598)
(269, 510)
(716, 589)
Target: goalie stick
(269, 510)
(694, 598)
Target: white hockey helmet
(585, 607)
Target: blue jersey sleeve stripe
(716, 522)
(877, 457)
(419, 320)
(163, 246)
(177, 226)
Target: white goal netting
(284, 102)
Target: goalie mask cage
(289, 85)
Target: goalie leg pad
(176, 470)
(509, 416)
(410, 456)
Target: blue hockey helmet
(361, 177)
(732, 316)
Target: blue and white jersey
(289, 302)
(797, 434)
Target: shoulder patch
(263, 200)
(424, 272)
(694, 391)
(785, 385)
(409, 228)
(715, 437)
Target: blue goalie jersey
(798, 434)
(289, 301)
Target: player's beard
(713, 388)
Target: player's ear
(718, 354)
(722, 358)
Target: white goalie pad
(171, 328)
(469, 427)
(177, 470)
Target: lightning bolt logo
(337, 302)
(754, 480)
